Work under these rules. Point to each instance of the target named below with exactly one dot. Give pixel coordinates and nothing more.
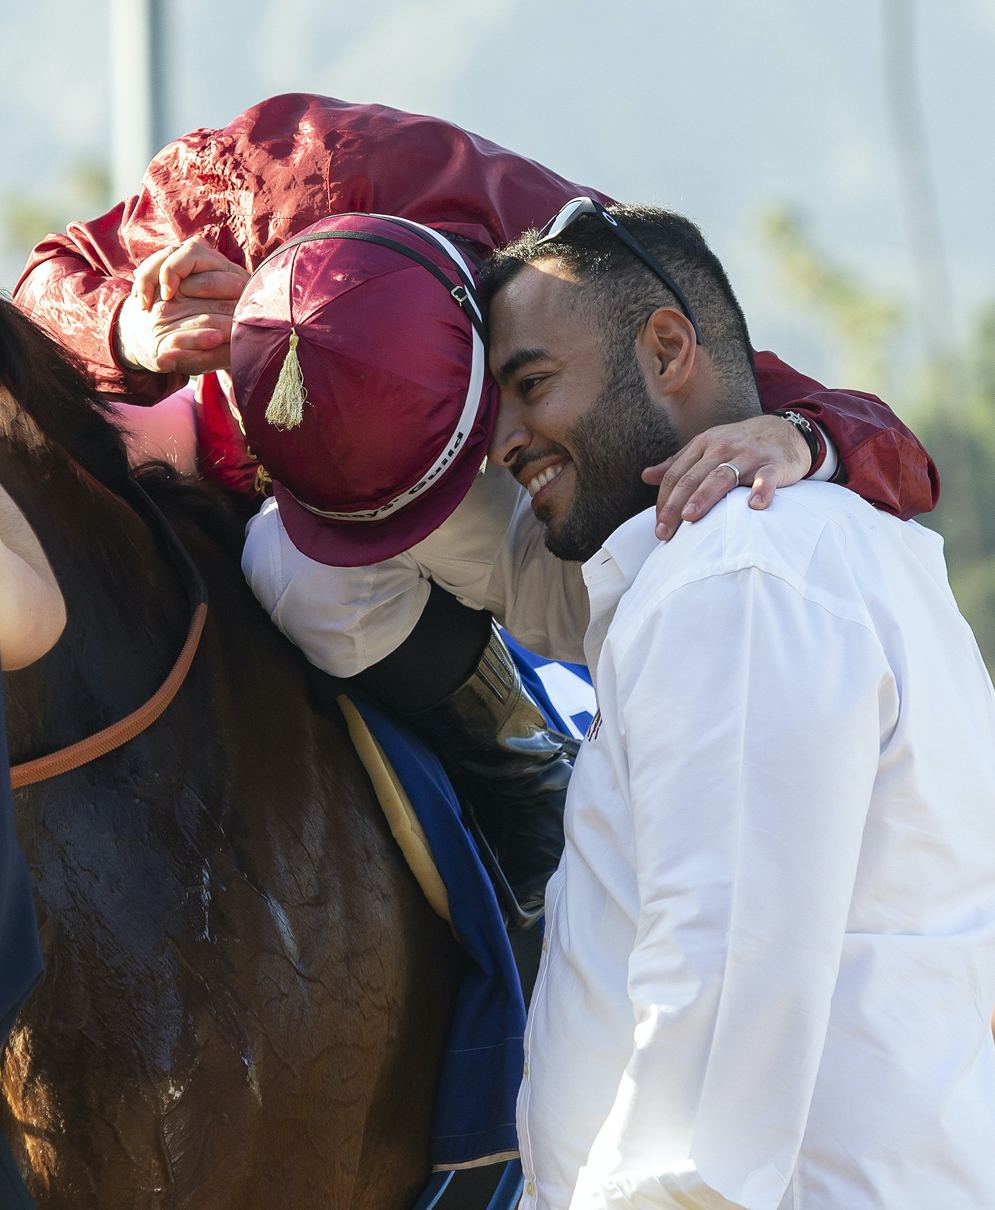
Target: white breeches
(489, 553)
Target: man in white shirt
(770, 950)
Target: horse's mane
(51, 384)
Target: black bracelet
(804, 426)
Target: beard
(622, 434)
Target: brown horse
(246, 995)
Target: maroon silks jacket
(293, 159)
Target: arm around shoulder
(881, 458)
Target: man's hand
(768, 451)
(178, 315)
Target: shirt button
(525, 1070)
(545, 945)
(530, 1188)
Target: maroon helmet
(359, 361)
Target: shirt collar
(611, 573)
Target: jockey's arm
(858, 441)
(145, 293)
(32, 611)
(233, 191)
(861, 443)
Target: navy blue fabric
(13, 1193)
(528, 664)
(475, 1108)
(20, 951)
(482, 1070)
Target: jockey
(386, 546)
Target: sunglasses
(587, 205)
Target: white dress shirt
(769, 967)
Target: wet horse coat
(246, 995)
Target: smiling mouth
(537, 483)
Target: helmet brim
(362, 543)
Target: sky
(717, 108)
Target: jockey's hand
(768, 451)
(178, 315)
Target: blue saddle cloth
(474, 1114)
(563, 692)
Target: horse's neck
(125, 608)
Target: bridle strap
(119, 733)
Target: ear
(667, 350)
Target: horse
(246, 996)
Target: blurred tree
(950, 400)
(865, 321)
(961, 439)
(984, 364)
(26, 218)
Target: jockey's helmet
(359, 361)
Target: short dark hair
(625, 292)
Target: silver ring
(734, 469)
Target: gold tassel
(263, 484)
(285, 409)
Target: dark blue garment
(20, 952)
(474, 1112)
(482, 1069)
(13, 1194)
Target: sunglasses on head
(587, 205)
